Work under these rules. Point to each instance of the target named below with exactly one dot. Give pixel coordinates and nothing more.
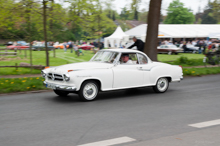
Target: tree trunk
(152, 30)
(45, 31)
(29, 38)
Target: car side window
(128, 58)
(166, 47)
(142, 59)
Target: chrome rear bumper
(59, 87)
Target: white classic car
(107, 71)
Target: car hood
(80, 66)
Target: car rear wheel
(61, 93)
(89, 91)
(161, 85)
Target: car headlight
(66, 77)
(43, 73)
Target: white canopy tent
(176, 30)
(116, 39)
(214, 35)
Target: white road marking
(110, 142)
(206, 124)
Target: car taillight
(180, 66)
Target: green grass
(21, 84)
(166, 57)
(200, 71)
(39, 58)
(19, 71)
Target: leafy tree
(134, 8)
(216, 10)
(177, 14)
(124, 13)
(143, 15)
(206, 17)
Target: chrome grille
(55, 77)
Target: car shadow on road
(109, 95)
(126, 93)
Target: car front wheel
(162, 85)
(89, 91)
(61, 93)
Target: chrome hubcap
(90, 91)
(162, 84)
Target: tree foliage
(178, 14)
(83, 19)
(216, 10)
(207, 16)
(135, 7)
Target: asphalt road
(44, 119)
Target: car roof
(122, 50)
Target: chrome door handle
(140, 68)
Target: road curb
(26, 92)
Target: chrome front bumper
(59, 87)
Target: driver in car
(125, 59)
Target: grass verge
(9, 85)
(19, 71)
(200, 71)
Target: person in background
(200, 45)
(64, 47)
(170, 43)
(138, 43)
(185, 49)
(76, 49)
(193, 42)
(70, 46)
(100, 45)
(80, 52)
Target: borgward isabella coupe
(106, 71)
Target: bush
(184, 61)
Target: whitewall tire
(89, 91)
(161, 85)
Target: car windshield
(105, 56)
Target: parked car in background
(39, 46)
(23, 43)
(18, 46)
(60, 46)
(107, 71)
(169, 49)
(191, 48)
(8, 43)
(86, 47)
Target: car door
(145, 67)
(128, 75)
